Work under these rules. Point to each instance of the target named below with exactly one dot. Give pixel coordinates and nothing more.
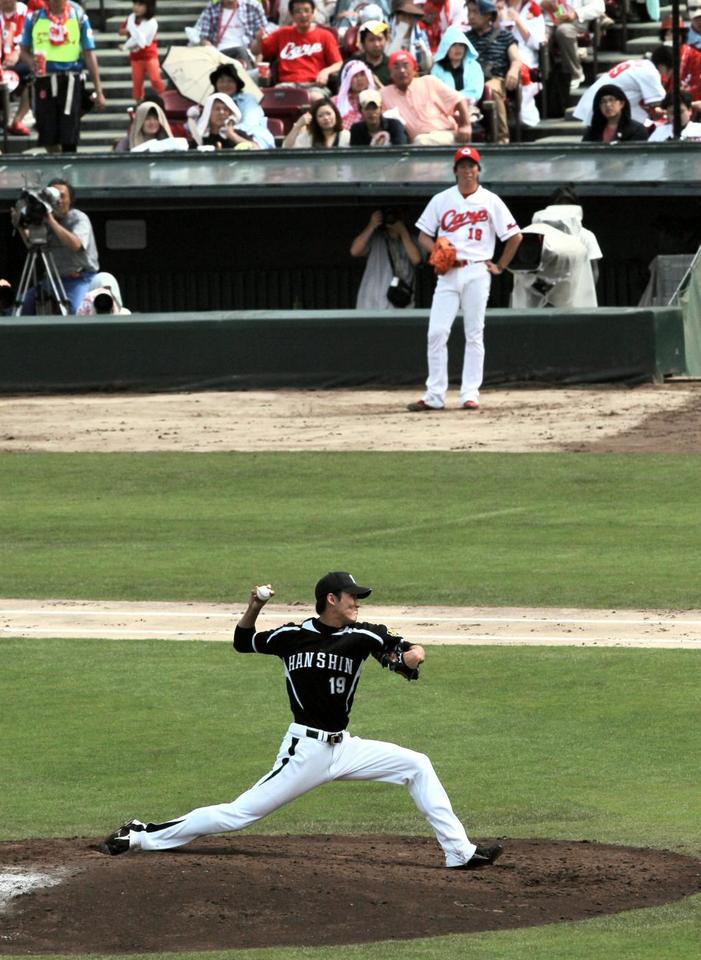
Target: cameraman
(71, 244)
(390, 252)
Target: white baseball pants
(302, 764)
(463, 289)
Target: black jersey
(322, 664)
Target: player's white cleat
(118, 841)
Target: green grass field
(598, 744)
(578, 530)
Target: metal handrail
(102, 16)
(5, 101)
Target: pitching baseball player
(466, 220)
(322, 659)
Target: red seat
(349, 44)
(285, 103)
(277, 128)
(175, 105)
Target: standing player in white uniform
(471, 218)
(323, 658)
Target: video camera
(33, 207)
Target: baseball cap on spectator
(467, 153)
(409, 8)
(400, 56)
(371, 11)
(340, 583)
(373, 26)
(370, 96)
(484, 6)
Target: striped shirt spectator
(492, 49)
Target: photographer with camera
(69, 242)
(392, 256)
(58, 45)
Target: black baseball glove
(393, 659)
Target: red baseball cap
(401, 56)
(467, 153)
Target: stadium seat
(285, 104)
(349, 43)
(176, 105)
(277, 128)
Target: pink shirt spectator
(426, 105)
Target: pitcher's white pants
(466, 289)
(303, 764)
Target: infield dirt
(252, 891)
(662, 418)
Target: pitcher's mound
(247, 891)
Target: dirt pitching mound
(249, 891)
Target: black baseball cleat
(118, 842)
(482, 857)
(422, 407)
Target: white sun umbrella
(189, 69)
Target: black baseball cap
(340, 583)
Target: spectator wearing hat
(611, 121)
(306, 55)
(498, 56)
(408, 33)
(372, 42)
(373, 37)
(374, 129)
(351, 13)
(426, 106)
(230, 78)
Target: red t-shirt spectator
(300, 56)
(690, 70)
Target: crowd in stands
(374, 73)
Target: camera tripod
(37, 253)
